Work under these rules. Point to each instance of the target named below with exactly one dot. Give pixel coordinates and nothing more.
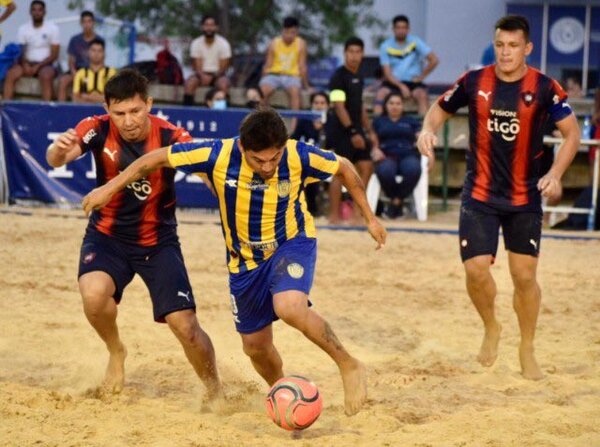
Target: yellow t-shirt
(89, 81)
(286, 57)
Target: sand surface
(403, 311)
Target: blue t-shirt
(78, 48)
(397, 138)
(405, 60)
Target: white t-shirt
(210, 54)
(38, 41)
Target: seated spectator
(573, 88)
(285, 65)
(395, 153)
(9, 7)
(78, 52)
(211, 57)
(88, 85)
(402, 58)
(40, 40)
(313, 132)
(216, 99)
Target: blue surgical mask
(219, 104)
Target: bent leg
(526, 302)
(12, 76)
(482, 291)
(263, 354)
(198, 348)
(46, 76)
(97, 289)
(420, 95)
(292, 307)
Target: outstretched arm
(352, 182)
(139, 169)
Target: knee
(524, 279)
(294, 314)
(256, 349)
(420, 94)
(186, 330)
(477, 270)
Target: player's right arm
(435, 117)
(137, 170)
(64, 149)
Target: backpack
(8, 58)
(168, 70)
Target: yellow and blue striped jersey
(257, 215)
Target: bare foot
(115, 371)
(354, 377)
(488, 353)
(529, 367)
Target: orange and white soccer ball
(294, 403)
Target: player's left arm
(137, 170)
(550, 184)
(353, 183)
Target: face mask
(219, 104)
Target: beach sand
(403, 311)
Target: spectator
(253, 98)
(395, 153)
(345, 130)
(285, 65)
(41, 43)
(9, 7)
(211, 57)
(402, 58)
(88, 85)
(216, 99)
(573, 88)
(78, 52)
(313, 132)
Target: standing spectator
(41, 43)
(395, 153)
(313, 132)
(285, 66)
(9, 7)
(211, 57)
(78, 52)
(346, 129)
(402, 58)
(88, 85)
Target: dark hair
(97, 41)
(263, 129)
(291, 22)
(514, 23)
(354, 41)
(85, 14)
(319, 93)
(400, 18)
(387, 99)
(37, 2)
(208, 17)
(125, 85)
(212, 92)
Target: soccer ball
(294, 403)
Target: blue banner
(29, 127)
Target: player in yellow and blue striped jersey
(259, 180)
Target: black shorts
(341, 143)
(478, 230)
(161, 267)
(411, 85)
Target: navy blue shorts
(291, 267)
(479, 225)
(161, 267)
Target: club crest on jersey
(283, 188)
(527, 98)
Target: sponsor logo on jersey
(504, 122)
(141, 189)
(89, 135)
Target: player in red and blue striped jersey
(508, 103)
(136, 231)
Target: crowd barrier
(29, 127)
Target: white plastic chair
(420, 193)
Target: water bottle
(586, 131)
